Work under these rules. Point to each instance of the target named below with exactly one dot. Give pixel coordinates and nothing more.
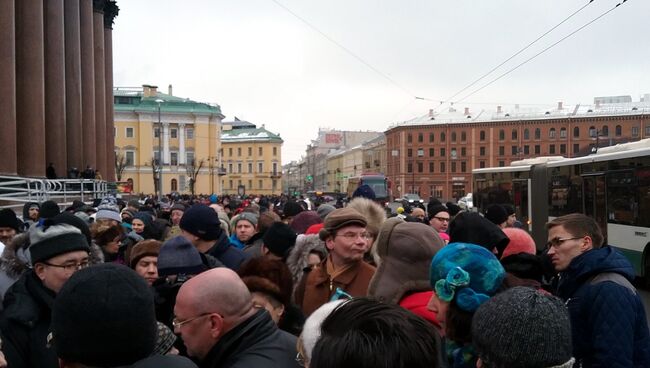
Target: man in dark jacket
(221, 328)
(57, 252)
(608, 321)
(200, 225)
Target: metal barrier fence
(16, 191)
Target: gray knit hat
(178, 256)
(523, 328)
(108, 209)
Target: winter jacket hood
(297, 260)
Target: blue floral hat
(466, 273)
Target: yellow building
(189, 143)
(251, 159)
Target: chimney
(466, 111)
(169, 90)
(516, 106)
(430, 113)
(597, 104)
(149, 90)
(559, 105)
(498, 109)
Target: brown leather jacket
(316, 288)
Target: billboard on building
(333, 138)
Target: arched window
(592, 131)
(551, 133)
(576, 132)
(562, 132)
(453, 136)
(174, 185)
(619, 130)
(526, 134)
(604, 131)
(538, 133)
(442, 136)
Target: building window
(230, 184)
(189, 158)
(502, 151)
(174, 185)
(514, 134)
(463, 151)
(443, 136)
(647, 130)
(481, 151)
(420, 167)
(453, 166)
(635, 131)
(260, 151)
(274, 184)
(576, 132)
(260, 184)
(409, 152)
(551, 133)
(156, 132)
(431, 152)
(482, 135)
(538, 133)
(513, 150)
(619, 130)
(538, 149)
(156, 156)
(409, 167)
(173, 158)
(502, 134)
(275, 151)
(238, 151)
(129, 132)
(420, 137)
(502, 163)
(250, 151)
(563, 149)
(604, 131)
(230, 152)
(432, 137)
(562, 132)
(230, 170)
(443, 152)
(576, 149)
(481, 164)
(275, 168)
(526, 134)
(409, 138)
(250, 184)
(526, 150)
(551, 149)
(442, 167)
(592, 132)
(130, 158)
(453, 137)
(239, 170)
(463, 166)
(431, 166)
(189, 133)
(174, 133)
(250, 167)
(260, 167)
(463, 136)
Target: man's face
(244, 230)
(6, 234)
(33, 213)
(147, 267)
(440, 222)
(196, 333)
(348, 244)
(510, 222)
(176, 217)
(418, 213)
(565, 246)
(54, 275)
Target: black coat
(226, 253)
(166, 361)
(255, 343)
(25, 324)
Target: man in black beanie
(104, 317)
(10, 225)
(279, 239)
(201, 226)
(57, 251)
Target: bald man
(220, 326)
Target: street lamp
(160, 191)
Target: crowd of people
(261, 281)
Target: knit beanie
(248, 216)
(108, 209)
(523, 328)
(291, 209)
(165, 339)
(364, 191)
(104, 317)
(8, 218)
(496, 213)
(340, 218)
(49, 209)
(279, 239)
(50, 241)
(453, 208)
(74, 220)
(201, 220)
(304, 220)
(145, 248)
(436, 209)
(145, 217)
(466, 273)
(324, 209)
(213, 198)
(520, 242)
(178, 256)
(178, 207)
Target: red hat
(314, 229)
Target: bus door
(595, 200)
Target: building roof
(249, 135)
(132, 99)
(240, 124)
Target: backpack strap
(614, 277)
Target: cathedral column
(165, 158)
(73, 125)
(87, 83)
(8, 164)
(110, 12)
(181, 144)
(100, 86)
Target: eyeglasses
(70, 267)
(442, 219)
(557, 242)
(353, 236)
(178, 324)
(300, 359)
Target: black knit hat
(49, 209)
(521, 328)
(104, 317)
(436, 209)
(279, 239)
(291, 209)
(8, 219)
(364, 191)
(202, 221)
(70, 219)
(51, 241)
(496, 213)
(178, 256)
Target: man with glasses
(57, 252)
(220, 326)
(608, 321)
(346, 239)
(439, 218)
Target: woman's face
(313, 260)
(262, 301)
(137, 225)
(113, 246)
(440, 308)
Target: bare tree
(192, 168)
(120, 165)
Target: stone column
(8, 164)
(181, 144)
(73, 126)
(55, 131)
(30, 88)
(87, 83)
(110, 12)
(100, 86)
(165, 158)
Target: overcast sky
(263, 64)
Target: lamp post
(160, 159)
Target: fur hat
(297, 260)
(104, 234)
(466, 273)
(364, 191)
(496, 213)
(304, 220)
(145, 248)
(340, 218)
(406, 250)
(275, 271)
(178, 256)
(279, 239)
(520, 242)
(51, 241)
(521, 328)
(374, 213)
(201, 220)
(49, 209)
(9, 219)
(311, 331)
(470, 227)
(324, 209)
(104, 317)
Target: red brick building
(434, 155)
